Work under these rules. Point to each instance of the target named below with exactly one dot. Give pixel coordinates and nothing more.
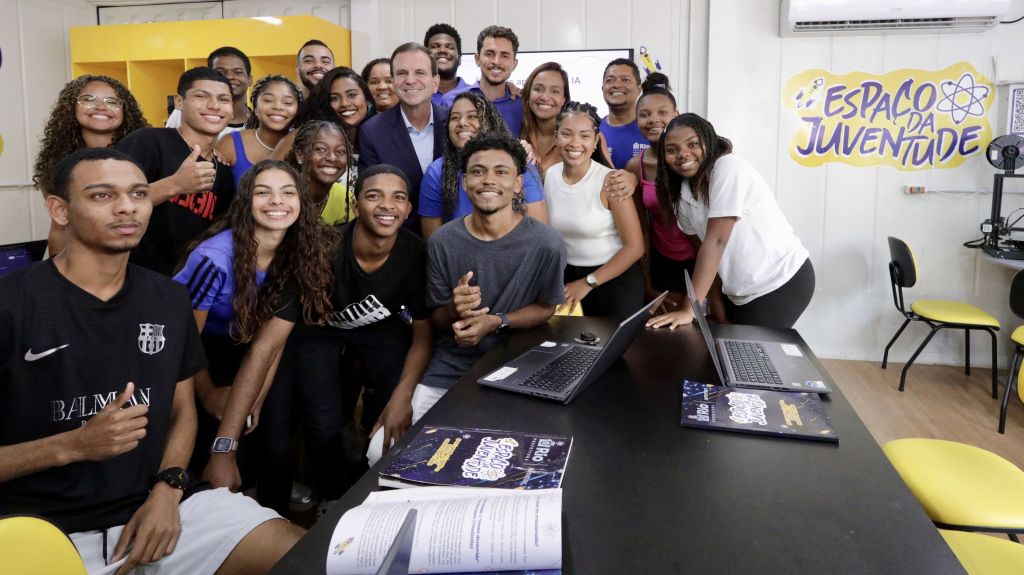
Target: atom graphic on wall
(962, 98)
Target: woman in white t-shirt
(603, 237)
(720, 199)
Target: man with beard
(314, 60)
(493, 270)
(496, 49)
(621, 88)
(445, 44)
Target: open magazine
(458, 530)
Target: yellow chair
(30, 545)
(960, 486)
(938, 314)
(985, 555)
(1017, 307)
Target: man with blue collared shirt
(445, 45)
(496, 49)
(410, 135)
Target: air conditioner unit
(849, 17)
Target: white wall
(726, 60)
(843, 213)
(34, 45)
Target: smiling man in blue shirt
(496, 49)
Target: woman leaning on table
(744, 238)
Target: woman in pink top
(668, 251)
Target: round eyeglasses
(90, 102)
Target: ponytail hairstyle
(669, 183)
(262, 84)
(491, 122)
(302, 146)
(571, 108)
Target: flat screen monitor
(584, 67)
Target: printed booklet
(786, 414)
(479, 458)
(457, 531)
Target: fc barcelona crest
(151, 338)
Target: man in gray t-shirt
(495, 269)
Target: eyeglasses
(90, 102)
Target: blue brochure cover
(786, 414)
(479, 458)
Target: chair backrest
(902, 257)
(34, 545)
(1017, 294)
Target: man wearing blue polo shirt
(621, 88)
(496, 49)
(445, 45)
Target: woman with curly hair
(442, 198)
(237, 271)
(377, 75)
(275, 101)
(341, 95)
(380, 316)
(322, 154)
(90, 112)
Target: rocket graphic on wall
(807, 95)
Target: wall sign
(907, 119)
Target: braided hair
(669, 183)
(305, 137)
(589, 111)
(257, 89)
(491, 122)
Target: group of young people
(347, 239)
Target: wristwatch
(223, 445)
(176, 477)
(504, 323)
(592, 280)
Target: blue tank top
(242, 163)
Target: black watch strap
(504, 323)
(176, 477)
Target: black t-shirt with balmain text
(379, 306)
(64, 354)
(176, 222)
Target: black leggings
(618, 298)
(779, 308)
(309, 387)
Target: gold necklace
(256, 133)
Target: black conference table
(643, 495)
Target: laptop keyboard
(558, 374)
(750, 362)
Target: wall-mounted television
(585, 69)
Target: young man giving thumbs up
(97, 416)
(494, 270)
(189, 186)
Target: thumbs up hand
(112, 431)
(466, 299)
(195, 174)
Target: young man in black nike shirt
(97, 417)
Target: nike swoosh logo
(29, 356)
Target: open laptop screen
(702, 322)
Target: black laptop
(562, 370)
(753, 364)
(17, 256)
